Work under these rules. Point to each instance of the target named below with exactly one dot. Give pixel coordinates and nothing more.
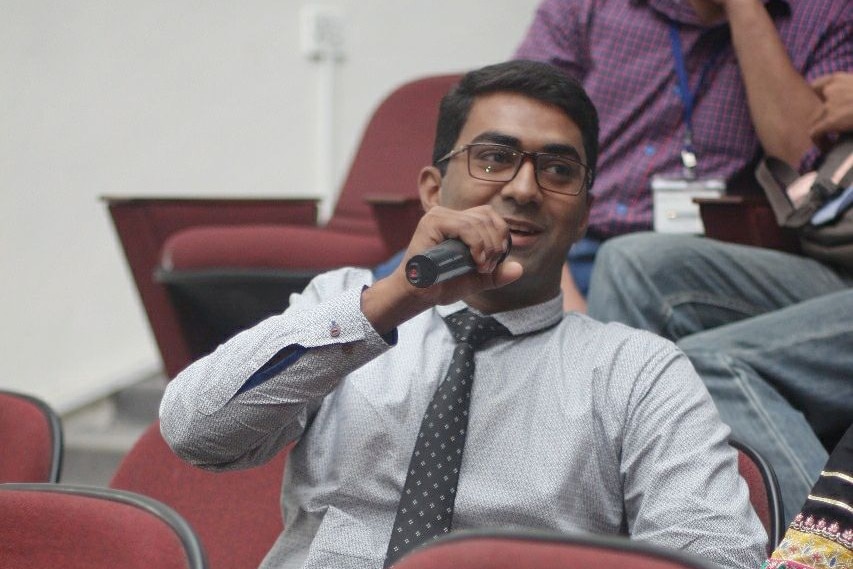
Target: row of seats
(234, 516)
(75, 527)
(216, 506)
(207, 268)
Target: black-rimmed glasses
(500, 163)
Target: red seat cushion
(270, 246)
(236, 514)
(26, 439)
(52, 529)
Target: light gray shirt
(574, 426)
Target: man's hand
(835, 115)
(393, 300)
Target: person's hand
(487, 236)
(836, 112)
(393, 300)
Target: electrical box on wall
(322, 32)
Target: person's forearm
(210, 420)
(781, 103)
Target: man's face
(543, 224)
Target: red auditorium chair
(764, 493)
(30, 439)
(44, 526)
(247, 264)
(236, 515)
(496, 549)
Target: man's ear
(429, 187)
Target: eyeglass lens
(497, 163)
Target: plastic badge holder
(674, 210)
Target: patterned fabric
(821, 535)
(620, 50)
(426, 505)
(806, 549)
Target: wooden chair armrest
(747, 220)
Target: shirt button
(334, 329)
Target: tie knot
(469, 328)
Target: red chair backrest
(236, 514)
(43, 526)
(513, 550)
(396, 144)
(30, 440)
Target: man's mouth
(523, 232)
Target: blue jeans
(771, 335)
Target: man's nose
(524, 188)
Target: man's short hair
(540, 81)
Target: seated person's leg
(677, 285)
(779, 380)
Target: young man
(571, 425)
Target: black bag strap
(774, 175)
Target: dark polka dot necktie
(426, 504)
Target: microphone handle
(450, 258)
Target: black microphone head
(447, 260)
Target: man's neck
(501, 300)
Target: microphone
(448, 259)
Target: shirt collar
(521, 320)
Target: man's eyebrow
(563, 150)
(499, 138)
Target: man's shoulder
(611, 339)
(589, 325)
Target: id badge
(672, 200)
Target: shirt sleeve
(210, 421)
(682, 488)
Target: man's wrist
(386, 304)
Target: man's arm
(219, 414)
(214, 415)
(681, 483)
(781, 103)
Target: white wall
(173, 97)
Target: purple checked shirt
(622, 53)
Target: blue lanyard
(688, 96)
